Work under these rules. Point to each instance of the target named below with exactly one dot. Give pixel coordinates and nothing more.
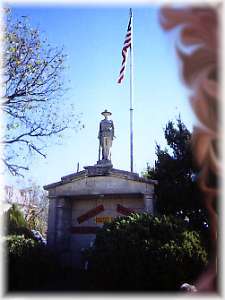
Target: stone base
(103, 167)
(104, 163)
(81, 202)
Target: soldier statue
(106, 135)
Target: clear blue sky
(93, 38)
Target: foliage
(33, 267)
(30, 265)
(177, 191)
(33, 93)
(142, 252)
(18, 245)
(34, 201)
(14, 219)
(16, 224)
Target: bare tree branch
(33, 85)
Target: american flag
(126, 46)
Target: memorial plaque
(103, 219)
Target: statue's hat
(106, 113)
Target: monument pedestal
(95, 195)
(81, 202)
(103, 167)
(104, 162)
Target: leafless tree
(37, 212)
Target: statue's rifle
(99, 150)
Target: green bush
(18, 245)
(142, 252)
(15, 223)
(15, 220)
(29, 264)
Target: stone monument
(105, 135)
(80, 203)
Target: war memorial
(81, 202)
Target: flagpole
(131, 95)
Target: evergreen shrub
(29, 264)
(142, 252)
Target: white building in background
(22, 197)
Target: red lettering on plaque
(91, 213)
(124, 210)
